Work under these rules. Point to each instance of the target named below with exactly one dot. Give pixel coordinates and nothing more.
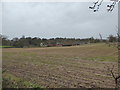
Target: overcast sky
(51, 20)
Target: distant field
(5, 46)
(55, 67)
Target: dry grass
(77, 66)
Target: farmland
(56, 67)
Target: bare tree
(110, 8)
(98, 3)
(118, 78)
(115, 77)
(100, 37)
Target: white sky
(61, 19)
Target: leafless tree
(110, 8)
(98, 3)
(115, 77)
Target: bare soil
(63, 67)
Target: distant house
(43, 44)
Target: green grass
(5, 46)
(103, 58)
(11, 81)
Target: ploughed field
(60, 67)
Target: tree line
(40, 42)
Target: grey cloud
(57, 20)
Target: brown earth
(66, 67)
